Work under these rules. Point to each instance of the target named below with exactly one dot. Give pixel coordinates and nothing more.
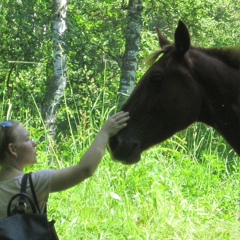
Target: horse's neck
(220, 92)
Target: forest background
(186, 188)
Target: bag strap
(33, 192)
(35, 196)
(22, 205)
(22, 199)
(24, 183)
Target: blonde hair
(7, 136)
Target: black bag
(20, 225)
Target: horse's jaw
(124, 158)
(128, 161)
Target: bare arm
(71, 176)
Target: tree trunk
(132, 46)
(56, 85)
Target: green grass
(169, 194)
(158, 198)
(186, 188)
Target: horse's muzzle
(127, 152)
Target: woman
(17, 151)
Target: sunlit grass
(158, 198)
(184, 188)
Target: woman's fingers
(116, 122)
(120, 118)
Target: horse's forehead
(165, 63)
(170, 62)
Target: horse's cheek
(183, 107)
(191, 108)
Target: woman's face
(24, 147)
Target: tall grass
(181, 189)
(162, 197)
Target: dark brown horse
(185, 85)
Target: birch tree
(132, 46)
(56, 85)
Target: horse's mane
(155, 55)
(230, 56)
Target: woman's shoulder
(42, 177)
(42, 173)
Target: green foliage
(186, 188)
(167, 195)
(95, 45)
(179, 190)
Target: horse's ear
(161, 38)
(182, 38)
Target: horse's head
(166, 100)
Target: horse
(184, 85)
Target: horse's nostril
(116, 144)
(135, 146)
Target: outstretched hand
(115, 123)
(69, 177)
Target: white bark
(130, 58)
(56, 85)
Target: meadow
(185, 188)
